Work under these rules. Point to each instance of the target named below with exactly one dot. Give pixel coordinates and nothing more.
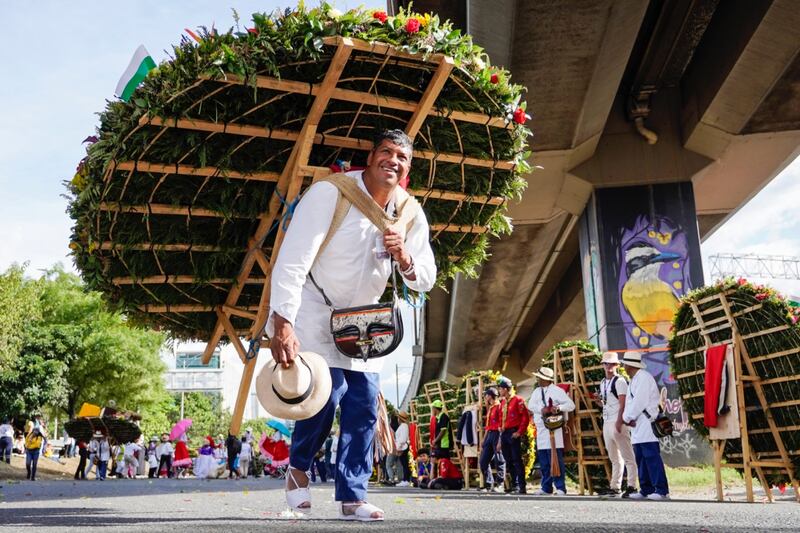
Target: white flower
(335, 13)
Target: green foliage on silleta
(771, 334)
(195, 84)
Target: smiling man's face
(388, 163)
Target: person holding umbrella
(182, 461)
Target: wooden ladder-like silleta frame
(584, 410)
(746, 376)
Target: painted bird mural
(649, 300)
(654, 266)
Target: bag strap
(350, 193)
(614, 387)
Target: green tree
(19, 304)
(77, 350)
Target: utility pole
(397, 386)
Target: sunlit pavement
(258, 505)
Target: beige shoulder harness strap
(351, 194)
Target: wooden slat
(349, 95)
(163, 209)
(182, 308)
(429, 97)
(336, 141)
(233, 337)
(187, 170)
(179, 247)
(776, 329)
(178, 280)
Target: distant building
(186, 373)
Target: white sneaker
(559, 492)
(540, 492)
(497, 489)
(656, 496)
(637, 496)
(403, 484)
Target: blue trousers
(547, 480)
(31, 460)
(652, 476)
(512, 452)
(488, 453)
(102, 468)
(356, 394)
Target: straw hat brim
(309, 407)
(634, 364)
(542, 376)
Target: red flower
(380, 15)
(495, 78)
(254, 31)
(761, 296)
(519, 116)
(741, 281)
(412, 25)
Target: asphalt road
(258, 505)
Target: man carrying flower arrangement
(516, 420)
(351, 271)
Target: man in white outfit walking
(616, 435)
(640, 410)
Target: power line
(755, 266)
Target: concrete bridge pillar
(639, 253)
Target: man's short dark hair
(397, 137)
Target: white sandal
(298, 496)
(363, 512)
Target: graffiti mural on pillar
(651, 251)
(649, 256)
(653, 274)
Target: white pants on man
(620, 452)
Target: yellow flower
(424, 21)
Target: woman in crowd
(33, 447)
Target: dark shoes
(629, 491)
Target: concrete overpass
(623, 93)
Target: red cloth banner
(715, 366)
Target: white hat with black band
(295, 393)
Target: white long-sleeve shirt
(401, 437)
(348, 270)
(643, 395)
(539, 399)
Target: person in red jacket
(491, 449)
(516, 419)
(449, 477)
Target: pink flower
(519, 116)
(412, 25)
(495, 78)
(761, 296)
(380, 15)
(741, 281)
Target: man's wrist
(406, 264)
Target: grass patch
(700, 477)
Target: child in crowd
(449, 477)
(423, 468)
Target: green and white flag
(137, 70)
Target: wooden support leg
(718, 447)
(241, 398)
(763, 479)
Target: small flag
(138, 68)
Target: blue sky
(62, 60)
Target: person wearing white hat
(548, 398)
(641, 408)
(352, 270)
(616, 435)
